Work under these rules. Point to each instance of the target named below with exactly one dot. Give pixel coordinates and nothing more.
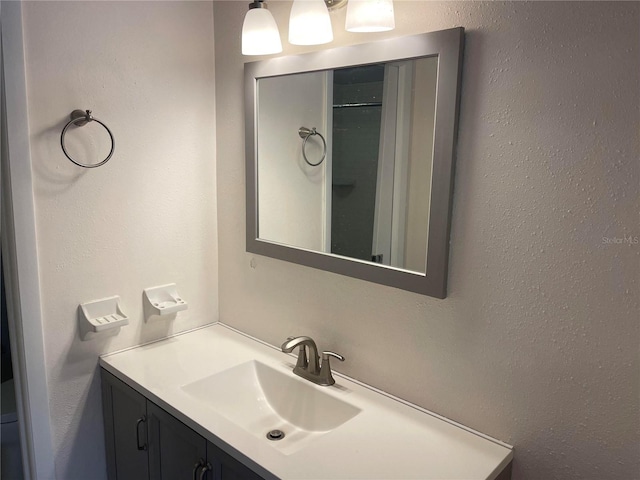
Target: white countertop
(387, 440)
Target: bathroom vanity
(205, 405)
(145, 441)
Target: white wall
(146, 218)
(292, 193)
(537, 342)
(425, 75)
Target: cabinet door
(175, 451)
(124, 412)
(226, 467)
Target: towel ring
(80, 119)
(305, 133)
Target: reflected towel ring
(305, 133)
(80, 118)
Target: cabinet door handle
(204, 471)
(196, 467)
(140, 421)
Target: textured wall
(146, 218)
(537, 343)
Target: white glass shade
(370, 16)
(309, 23)
(260, 35)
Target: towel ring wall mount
(80, 118)
(305, 133)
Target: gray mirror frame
(448, 46)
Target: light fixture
(370, 16)
(309, 23)
(260, 35)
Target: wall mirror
(350, 156)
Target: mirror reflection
(345, 159)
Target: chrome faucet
(308, 364)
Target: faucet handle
(326, 355)
(326, 378)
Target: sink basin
(259, 399)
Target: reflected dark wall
(356, 138)
(7, 370)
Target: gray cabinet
(125, 417)
(226, 467)
(145, 442)
(175, 451)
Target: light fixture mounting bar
(335, 4)
(257, 4)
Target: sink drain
(275, 435)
